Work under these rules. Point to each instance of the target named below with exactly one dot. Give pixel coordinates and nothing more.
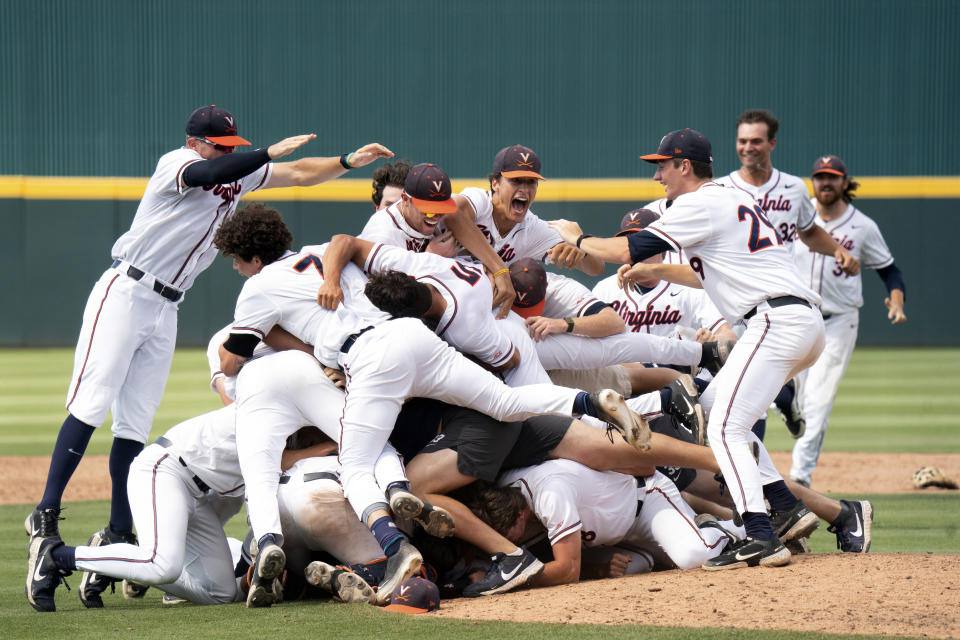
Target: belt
(826, 316)
(315, 475)
(781, 301)
(166, 444)
(171, 294)
(345, 347)
(641, 483)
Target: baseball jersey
(859, 235)
(568, 497)
(171, 236)
(468, 322)
(208, 445)
(568, 298)
(669, 257)
(785, 200)
(285, 293)
(662, 310)
(735, 252)
(389, 227)
(529, 238)
(213, 359)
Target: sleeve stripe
(248, 331)
(665, 237)
(566, 531)
(178, 182)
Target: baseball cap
(636, 220)
(414, 595)
(682, 143)
(530, 282)
(517, 161)
(216, 125)
(829, 164)
(429, 188)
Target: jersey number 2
(757, 216)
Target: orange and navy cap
(216, 125)
(636, 220)
(517, 161)
(530, 282)
(829, 164)
(429, 188)
(683, 143)
(414, 595)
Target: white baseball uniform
(213, 360)
(742, 263)
(602, 507)
(389, 227)
(785, 200)
(842, 298)
(670, 257)
(529, 238)
(662, 310)
(129, 328)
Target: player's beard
(828, 197)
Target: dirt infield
(888, 594)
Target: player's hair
(398, 294)
(255, 230)
(752, 116)
(700, 169)
(848, 193)
(393, 174)
(499, 507)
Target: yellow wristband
(497, 274)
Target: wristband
(583, 236)
(497, 274)
(345, 161)
(569, 325)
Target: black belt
(826, 316)
(782, 301)
(345, 347)
(171, 294)
(641, 483)
(314, 475)
(166, 444)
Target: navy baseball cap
(414, 595)
(683, 143)
(517, 161)
(530, 282)
(429, 188)
(829, 164)
(216, 125)
(636, 220)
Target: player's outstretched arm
(894, 304)
(310, 171)
(565, 566)
(604, 249)
(341, 250)
(567, 256)
(628, 275)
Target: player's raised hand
(568, 230)
(329, 295)
(566, 256)
(628, 275)
(541, 327)
(894, 306)
(289, 145)
(503, 294)
(849, 264)
(368, 153)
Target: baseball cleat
(853, 536)
(404, 564)
(505, 573)
(611, 408)
(790, 524)
(43, 523)
(710, 521)
(344, 584)
(43, 576)
(133, 590)
(714, 356)
(750, 553)
(170, 600)
(792, 415)
(798, 546)
(93, 584)
(435, 520)
(685, 406)
(264, 587)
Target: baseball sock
(844, 515)
(582, 405)
(122, 454)
(387, 534)
(784, 398)
(399, 484)
(71, 443)
(757, 525)
(759, 428)
(779, 496)
(65, 557)
(666, 395)
(701, 384)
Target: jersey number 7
(757, 216)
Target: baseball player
(736, 255)
(842, 298)
(129, 327)
(388, 181)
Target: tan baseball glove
(932, 477)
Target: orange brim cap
(522, 174)
(435, 206)
(404, 608)
(655, 157)
(831, 171)
(530, 312)
(229, 141)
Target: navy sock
(400, 484)
(71, 443)
(583, 405)
(760, 428)
(666, 395)
(701, 384)
(784, 398)
(779, 497)
(387, 534)
(241, 569)
(65, 557)
(122, 454)
(757, 525)
(267, 538)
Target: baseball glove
(932, 477)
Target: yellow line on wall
(358, 190)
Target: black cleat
(505, 573)
(798, 522)
(92, 585)
(853, 536)
(685, 406)
(43, 576)
(750, 553)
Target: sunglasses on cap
(218, 147)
